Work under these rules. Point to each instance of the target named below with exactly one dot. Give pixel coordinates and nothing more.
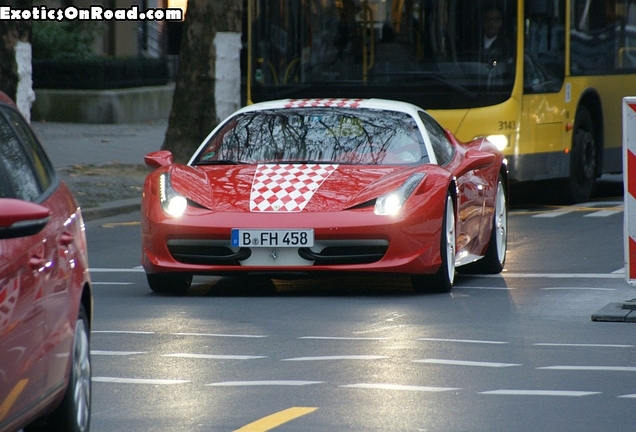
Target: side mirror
(21, 218)
(159, 158)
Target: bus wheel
(582, 159)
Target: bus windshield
(440, 54)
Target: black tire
(74, 412)
(494, 260)
(169, 283)
(583, 159)
(442, 280)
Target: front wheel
(169, 283)
(442, 280)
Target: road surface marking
(344, 338)
(463, 341)
(591, 368)
(220, 335)
(276, 419)
(604, 213)
(466, 363)
(341, 357)
(112, 283)
(539, 393)
(293, 383)
(576, 289)
(139, 381)
(213, 356)
(583, 345)
(116, 353)
(506, 275)
(116, 270)
(123, 332)
(399, 387)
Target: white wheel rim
(501, 223)
(81, 376)
(450, 239)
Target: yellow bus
(543, 78)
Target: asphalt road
(517, 351)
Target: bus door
(544, 98)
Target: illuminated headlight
(500, 141)
(171, 202)
(390, 204)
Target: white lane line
(583, 345)
(604, 213)
(576, 289)
(485, 288)
(116, 270)
(221, 335)
(112, 283)
(552, 214)
(213, 356)
(345, 338)
(630, 396)
(505, 275)
(116, 353)
(341, 357)
(466, 363)
(475, 341)
(401, 387)
(591, 368)
(122, 332)
(539, 393)
(263, 383)
(138, 381)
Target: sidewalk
(103, 164)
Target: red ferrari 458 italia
(301, 187)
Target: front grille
(353, 254)
(209, 252)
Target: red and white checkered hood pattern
(288, 187)
(334, 102)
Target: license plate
(272, 238)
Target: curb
(111, 209)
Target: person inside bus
(495, 47)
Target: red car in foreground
(301, 187)
(45, 290)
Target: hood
(286, 187)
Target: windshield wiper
(220, 162)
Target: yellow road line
(13, 395)
(276, 419)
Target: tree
(194, 108)
(15, 58)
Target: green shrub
(64, 40)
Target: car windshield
(317, 135)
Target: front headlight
(172, 202)
(500, 141)
(390, 204)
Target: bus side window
(442, 148)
